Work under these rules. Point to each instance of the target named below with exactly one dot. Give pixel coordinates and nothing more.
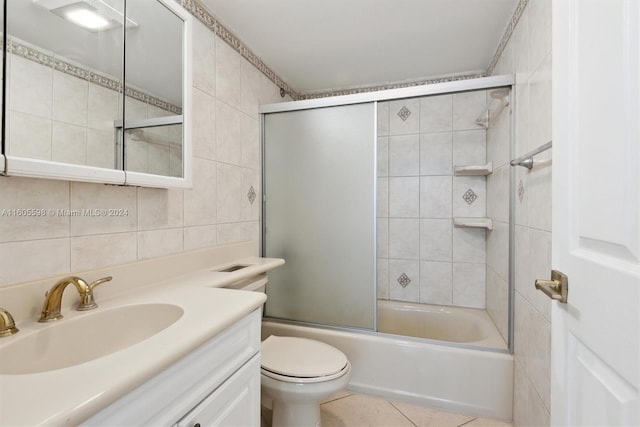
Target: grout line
(337, 398)
(465, 423)
(402, 413)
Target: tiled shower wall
(528, 56)
(497, 279)
(421, 256)
(222, 207)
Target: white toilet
(297, 374)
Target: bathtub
(420, 371)
(442, 323)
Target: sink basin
(70, 342)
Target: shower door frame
(449, 87)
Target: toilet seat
(301, 360)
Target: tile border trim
(506, 36)
(48, 60)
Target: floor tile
(427, 417)
(360, 410)
(488, 422)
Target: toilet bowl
(297, 374)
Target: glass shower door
(319, 214)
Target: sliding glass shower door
(319, 214)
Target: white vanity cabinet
(216, 384)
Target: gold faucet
(7, 324)
(53, 298)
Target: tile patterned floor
(347, 409)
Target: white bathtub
(455, 379)
(443, 323)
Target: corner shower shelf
(485, 223)
(483, 170)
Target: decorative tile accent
(515, 17)
(251, 195)
(47, 59)
(469, 196)
(404, 280)
(198, 10)
(520, 191)
(404, 113)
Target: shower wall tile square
(135, 109)
(469, 148)
(436, 282)
(436, 154)
(382, 231)
(469, 285)
(383, 198)
(498, 136)
(404, 238)
(435, 197)
(469, 245)
(404, 155)
(498, 194)
(474, 203)
(467, 107)
(383, 278)
(404, 271)
(404, 117)
(436, 114)
(383, 118)
(497, 301)
(250, 130)
(404, 197)
(435, 239)
(498, 248)
(383, 156)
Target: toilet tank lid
(301, 357)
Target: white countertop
(70, 395)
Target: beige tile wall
(528, 55)
(226, 93)
(418, 197)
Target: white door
(596, 212)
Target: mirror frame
(35, 168)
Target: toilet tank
(257, 283)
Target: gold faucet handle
(87, 300)
(100, 281)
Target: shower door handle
(557, 288)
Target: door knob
(557, 288)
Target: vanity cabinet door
(235, 403)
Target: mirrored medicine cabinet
(97, 91)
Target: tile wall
(67, 118)
(421, 256)
(528, 55)
(497, 273)
(222, 207)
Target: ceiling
(316, 45)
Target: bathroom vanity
(168, 345)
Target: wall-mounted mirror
(96, 91)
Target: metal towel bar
(527, 159)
